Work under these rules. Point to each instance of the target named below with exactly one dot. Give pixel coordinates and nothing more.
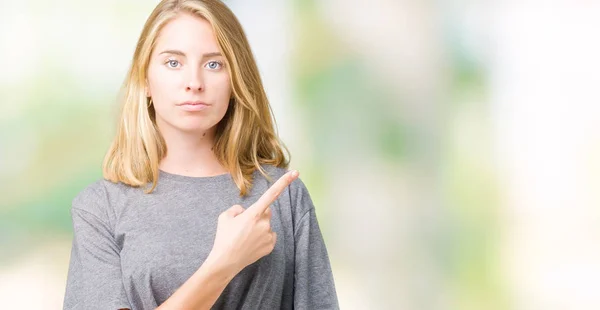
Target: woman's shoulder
(96, 197)
(274, 172)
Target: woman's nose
(195, 82)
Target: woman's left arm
(314, 287)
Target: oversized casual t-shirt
(134, 250)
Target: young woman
(196, 209)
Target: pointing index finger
(272, 193)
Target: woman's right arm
(243, 237)
(203, 288)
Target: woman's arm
(203, 288)
(314, 286)
(243, 236)
(94, 278)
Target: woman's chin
(186, 125)
(190, 128)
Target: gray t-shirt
(133, 250)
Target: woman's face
(187, 79)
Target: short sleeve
(314, 286)
(94, 279)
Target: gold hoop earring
(150, 102)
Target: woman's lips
(194, 105)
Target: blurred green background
(451, 147)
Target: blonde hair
(245, 138)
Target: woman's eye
(171, 63)
(214, 65)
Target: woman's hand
(244, 236)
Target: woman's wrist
(221, 266)
(204, 287)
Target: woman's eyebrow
(180, 53)
(174, 52)
(213, 54)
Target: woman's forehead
(194, 36)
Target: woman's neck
(191, 155)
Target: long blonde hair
(245, 138)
